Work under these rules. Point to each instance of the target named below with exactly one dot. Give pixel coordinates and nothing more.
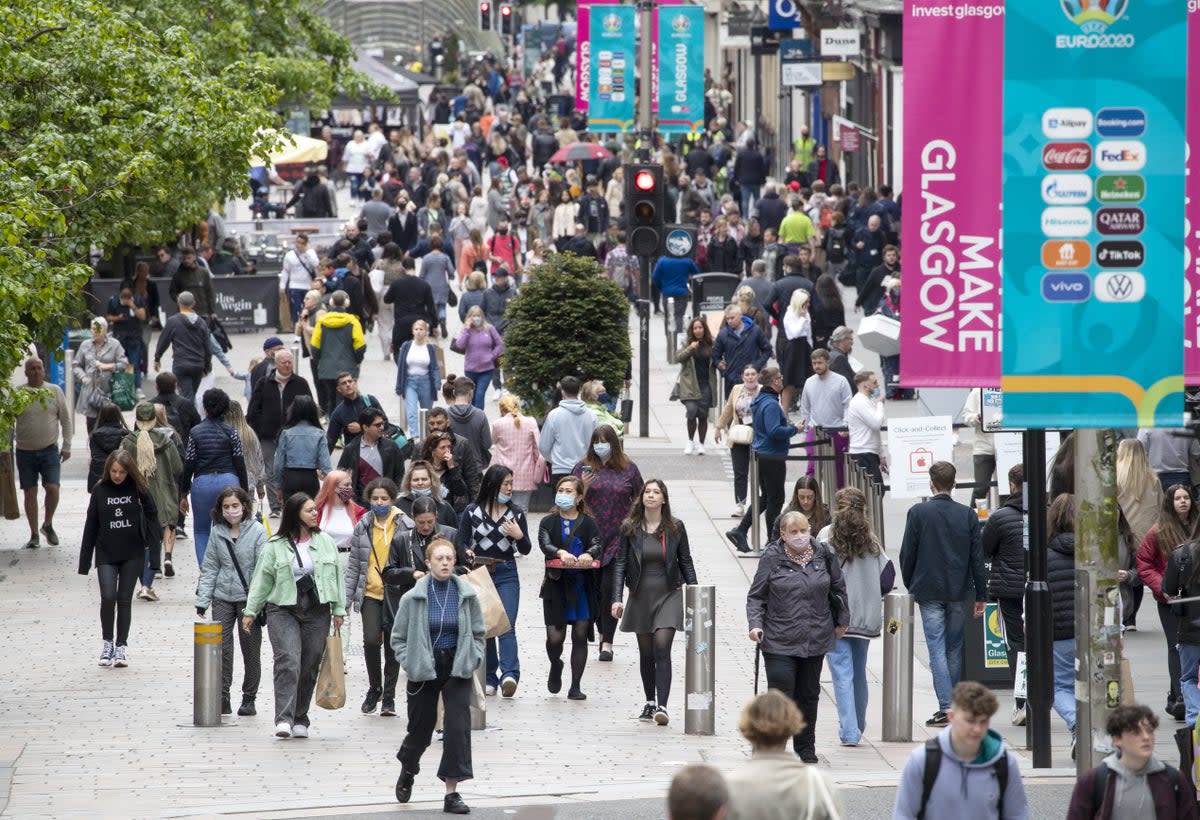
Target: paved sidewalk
(76, 739)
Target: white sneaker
(508, 686)
(106, 654)
(489, 690)
(299, 730)
(739, 510)
(283, 729)
(690, 448)
(120, 660)
(141, 594)
(700, 449)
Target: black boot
(454, 804)
(226, 705)
(404, 785)
(247, 708)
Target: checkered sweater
(483, 536)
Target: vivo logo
(1066, 287)
(1067, 123)
(1067, 223)
(1066, 189)
(1120, 155)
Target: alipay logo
(1066, 287)
(1066, 189)
(1067, 123)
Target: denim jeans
(848, 667)
(296, 302)
(134, 352)
(205, 489)
(943, 625)
(1189, 660)
(504, 664)
(749, 199)
(418, 393)
(1064, 681)
(483, 380)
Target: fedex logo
(1120, 155)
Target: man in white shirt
(296, 276)
(823, 404)
(865, 417)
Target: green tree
(567, 319)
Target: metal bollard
(206, 687)
(755, 511)
(699, 667)
(479, 703)
(897, 667)
(422, 424)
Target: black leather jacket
(1181, 577)
(628, 563)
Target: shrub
(567, 319)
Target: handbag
(331, 679)
(452, 299)
(455, 347)
(674, 392)
(261, 619)
(495, 619)
(626, 406)
(123, 393)
(285, 313)
(741, 434)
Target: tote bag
(331, 680)
(495, 619)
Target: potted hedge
(567, 319)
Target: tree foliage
(112, 132)
(567, 319)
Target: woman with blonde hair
(796, 346)
(256, 468)
(160, 463)
(774, 784)
(422, 482)
(515, 445)
(481, 347)
(1139, 497)
(473, 293)
(747, 301)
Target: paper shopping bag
(495, 619)
(331, 680)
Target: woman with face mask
(375, 536)
(421, 482)
(797, 610)
(611, 482)
(495, 529)
(481, 347)
(515, 439)
(570, 593)
(234, 544)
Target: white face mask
(232, 517)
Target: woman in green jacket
(438, 640)
(299, 580)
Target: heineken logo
(1120, 188)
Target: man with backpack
(966, 770)
(1132, 782)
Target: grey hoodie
(963, 789)
(566, 435)
(1132, 799)
(470, 422)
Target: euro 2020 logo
(680, 24)
(612, 24)
(1094, 16)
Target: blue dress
(575, 580)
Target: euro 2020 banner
(1094, 101)
(613, 58)
(680, 69)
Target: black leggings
(556, 636)
(654, 651)
(117, 582)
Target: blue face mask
(423, 493)
(381, 510)
(602, 449)
(603, 398)
(564, 501)
(503, 498)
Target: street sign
(795, 51)
(849, 137)
(803, 75)
(763, 40)
(840, 42)
(783, 15)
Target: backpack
(835, 244)
(933, 764)
(1100, 782)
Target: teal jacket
(274, 583)
(410, 634)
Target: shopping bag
(495, 619)
(123, 392)
(331, 680)
(1127, 698)
(285, 313)
(8, 492)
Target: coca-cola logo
(1067, 156)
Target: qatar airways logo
(1067, 156)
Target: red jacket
(1168, 804)
(1151, 564)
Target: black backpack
(933, 764)
(835, 245)
(1100, 782)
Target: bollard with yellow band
(206, 690)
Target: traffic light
(506, 20)
(485, 15)
(645, 203)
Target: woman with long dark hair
(437, 450)
(1176, 525)
(120, 527)
(612, 482)
(694, 386)
(301, 453)
(569, 590)
(806, 498)
(495, 529)
(869, 575)
(828, 312)
(214, 456)
(654, 561)
(105, 436)
(299, 582)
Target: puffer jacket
(1060, 574)
(337, 344)
(358, 563)
(1004, 550)
(218, 577)
(1182, 575)
(101, 442)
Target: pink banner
(1191, 243)
(953, 131)
(583, 50)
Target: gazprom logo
(1066, 189)
(1066, 287)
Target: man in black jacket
(941, 561)
(412, 299)
(187, 334)
(344, 418)
(841, 342)
(267, 411)
(771, 209)
(371, 455)
(750, 170)
(181, 413)
(1004, 550)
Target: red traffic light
(644, 181)
(506, 11)
(484, 8)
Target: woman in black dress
(654, 561)
(570, 590)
